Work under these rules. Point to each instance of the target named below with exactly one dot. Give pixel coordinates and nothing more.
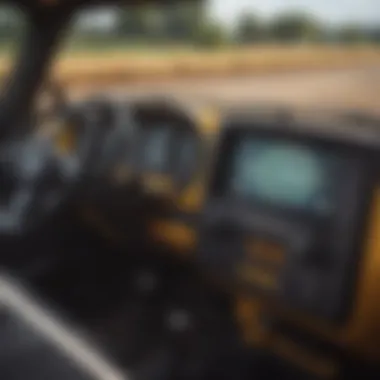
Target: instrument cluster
(167, 147)
(151, 154)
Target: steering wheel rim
(43, 178)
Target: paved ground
(351, 88)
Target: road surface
(351, 88)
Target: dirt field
(356, 89)
(115, 67)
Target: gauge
(156, 148)
(187, 156)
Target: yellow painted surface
(159, 185)
(263, 278)
(66, 140)
(361, 334)
(176, 235)
(208, 123)
(266, 251)
(320, 365)
(209, 120)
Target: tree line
(293, 27)
(191, 23)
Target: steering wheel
(41, 169)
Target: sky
(331, 11)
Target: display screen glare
(284, 174)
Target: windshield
(297, 56)
(193, 48)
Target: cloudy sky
(334, 11)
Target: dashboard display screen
(155, 148)
(284, 174)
